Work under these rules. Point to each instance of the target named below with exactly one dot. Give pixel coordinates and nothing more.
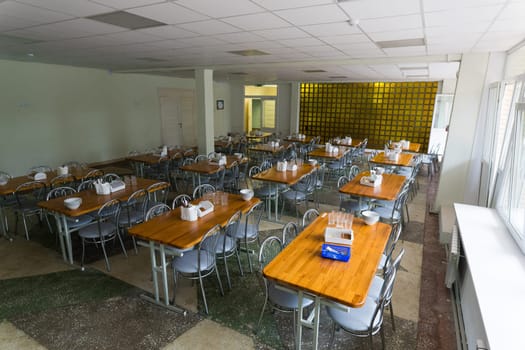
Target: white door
(177, 116)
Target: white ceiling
(297, 35)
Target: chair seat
(188, 263)
(384, 203)
(251, 232)
(135, 217)
(284, 298)
(265, 191)
(335, 165)
(228, 246)
(386, 213)
(294, 195)
(78, 221)
(375, 288)
(91, 231)
(356, 319)
(354, 206)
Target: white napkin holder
(62, 170)
(190, 213)
(274, 144)
(328, 147)
(103, 188)
(222, 160)
(348, 140)
(164, 151)
(405, 144)
(204, 208)
(291, 167)
(40, 176)
(117, 185)
(394, 156)
(334, 150)
(338, 236)
(282, 166)
(371, 181)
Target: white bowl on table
(370, 217)
(246, 194)
(379, 170)
(73, 203)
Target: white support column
(205, 108)
(294, 107)
(465, 111)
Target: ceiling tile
(345, 39)
(391, 23)
(313, 15)
(329, 29)
(462, 15)
(513, 10)
(126, 4)
(406, 51)
(290, 4)
(300, 42)
(32, 14)
(257, 21)
(226, 8)
(168, 13)
(282, 33)
(443, 70)
(242, 37)
(209, 27)
(380, 8)
(168, 32)
(397, 35)
(77, 8)
(440, 5)
(508, 26)
(8, 22)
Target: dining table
(301, 269)
(321, 152)
(352, 143)
(169, 230)
(412, 147)
(391, 185)
(288, 177)
(77, 173)
(404, 159)
(210, 167)
(258, 135)
(91, 201)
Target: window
(510, 183)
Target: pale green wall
(222, 122)
(50, 114)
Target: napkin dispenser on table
(204, 208)
(281, 166)
(291, 167)
(62, 170)
(189, 213)
(102, 188)
(117, 185)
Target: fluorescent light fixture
(338, 77)
(126, 20)
(400, 43)
(314, 71)
(249, 52)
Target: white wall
(283, 109)
(458, 150)
(51, 114)
(222, 122)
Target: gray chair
(277, 298)
(348, 203)
(158, 193)
(290, 231)
(73, 223)
(393, 214)
(365, 321)
(103, 230)
(309, 216)
(133, 212)
(200, 263)
(7, 201)
(300, 193)
(109, 177)
(27, 197)
(200, 190)
(180, 200)
(86, 185)
(263, 190)
(248, 232)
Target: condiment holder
(189, 213)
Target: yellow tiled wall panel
(379, 111)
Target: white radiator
(453, 258)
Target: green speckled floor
(60, 307)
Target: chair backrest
(397, 228)
(385, 295)
(109, 177)
(353, 171)
(200, 157)
(253, 217)
(30, 191)
(110, 210)
(270, 248)
(254, 170)
(60, 192)
(93, 175)
(265, 164)
(180, 199)
(62, 180)
(290, 231)
(309, 216)
(86, 185)
(158, 192)
(138, 200)
(201, 189)
(156, 210)
(231, 227)
(209, 244)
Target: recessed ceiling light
(249, 52)
(400, 43)
(314, 71)
(126, 20)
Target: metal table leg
(3, 226)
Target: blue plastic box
(335, 252)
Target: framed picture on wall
(220, 104)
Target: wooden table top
(413, 147)
(264, 147)
(354, 143)
(9, 188)
(405, 159)
(261, 136)
(301, 266)
(285, 177)
(91, 201)
(388, 190)
(171, 230)
(321, 153)
(207, 167)
(306, 139)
